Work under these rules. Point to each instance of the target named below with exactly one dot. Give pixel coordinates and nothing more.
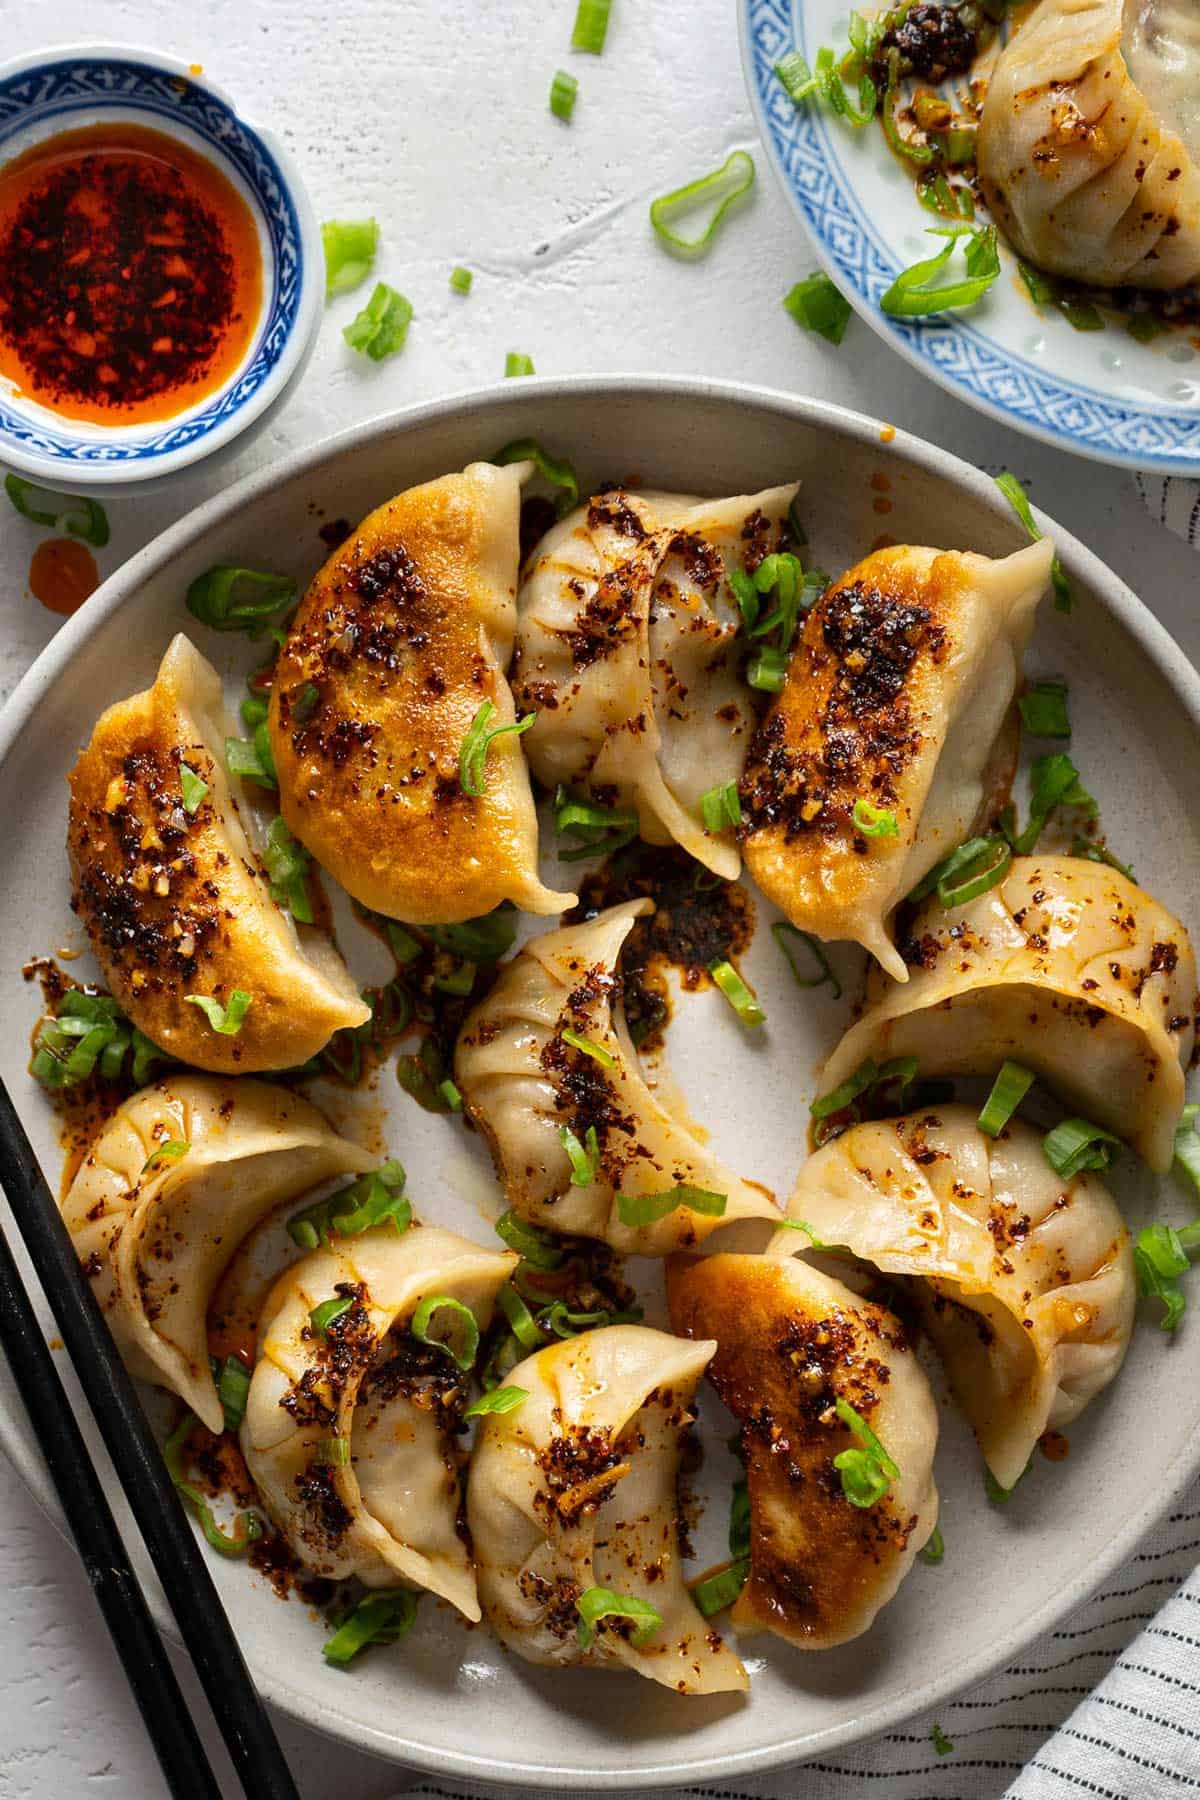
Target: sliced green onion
(950, 866)
(868, 1471)
(472, 757)
(740, 996)
(781, 931)
(1043, 291)
(254, 712)
(524, 1326)
(482, 940)
(796, 77)
(874, 821)
(588, 1047)
(648, 1209)
(517, 363)
(915, 293)
(963, 880)
(334, 1452)
(555, 469)
(1043, 709)
(1144, 327)
(909, 148)
(227, 1019)
(848, 1091)
(720, 806)
(746, 595)
(244, 758)
(382, 1618)
(78, 516)
(404, 946)
(941, 1743)
(724, 186)
(818, 305)
(446, 1324)
(563, 92)
(596, 1603)
(602, 829)
(460, 980)
(1053, 781)
(1000, 1496)
(288, 864)
(1008, 1090)
(768, 670)
(1160, 1255)
(538, 1248)
(460, 280)
(451, 1094)
(1077, 1144)
(233, 1387)
(1187, 1144)
(937, 195)
(169, 1151)
(350, 246)
(322, 1317)
(192, 788)
(229, 599)
(381, 327)
(500, 1400)
(247, 1527)
(804, 1226)
(374, 1199)
(934, 1547)
(1100, 853)
(584, 1157)
(591, 26)
(1017, 498)
(715, 1592)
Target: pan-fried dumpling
(391, 1511)
(626, 649)
(528, 1087)
(895, 698)
(1028, 1285)
(400, 642)
(180, 1174)
(1067, 967)
(574, 1489)
(792, 1344)
(175, 901)
(1089, 142)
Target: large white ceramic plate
(450, 1700)
(1099, 394)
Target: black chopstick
(114, 1584)
(174, 1551)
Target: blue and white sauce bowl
(43, 95)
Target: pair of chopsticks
(174, 1550)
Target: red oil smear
(62, 574)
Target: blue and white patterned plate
(1100, 394)
(42, 95)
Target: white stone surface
(433, 117)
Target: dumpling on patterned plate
(551, 1077)
(181, 1173)
(391, 722)
(572, 1510)
(881, 750)
(176, 902)
(1089, 141)
(350, 1419)
(1067, 967)
(838, 1432)
(627, 651)
(1025, 1279)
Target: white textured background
(432, 115)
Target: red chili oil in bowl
(130, 275)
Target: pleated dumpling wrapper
(176, 902)
(831, 1403)
(571, 1504)
(387, 1513)
(395, 658)
(1067, 967)
(881, 751)
(1089, 141)
(550, 1075)
(1027, 1280)
(182, 1172)
(628, 651)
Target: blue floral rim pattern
(56, 90)
(1054, 409)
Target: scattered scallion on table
(517, 363)
(564, 90)
(817, 305)
(381, 328)
(75, 514)
(720, 189)
(350, 246)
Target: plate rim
(909, 339)
(1155, 642)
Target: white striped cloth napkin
(1174, 500)
(1108, 1706)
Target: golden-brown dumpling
(401, 639)
(176, 903)
(791, 1343)
(1090, 138)
(897, 693)
(1066, 966)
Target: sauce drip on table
(130, 275)
(62, 574)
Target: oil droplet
(62, 574)
(1181, 353)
